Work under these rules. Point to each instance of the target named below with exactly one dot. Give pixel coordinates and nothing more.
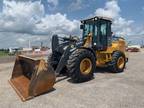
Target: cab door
(103, 34)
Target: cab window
(88, 29)
(103, 29)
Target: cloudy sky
(22, 21)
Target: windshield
(88, 29)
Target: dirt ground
(7, 59)
(106, 90)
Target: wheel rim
(85, 66)
(120, 62)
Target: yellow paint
(106, 56)
(120, 63)
(86, 66)
(88, 40)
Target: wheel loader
(77, 57)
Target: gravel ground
(6, 59)
(106, 90)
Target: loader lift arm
(63, 60)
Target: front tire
(81, 65)
(53, 59)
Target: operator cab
(100, 28)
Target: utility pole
(41, 44)
(29, 44)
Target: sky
(36, 21)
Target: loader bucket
(31, 77)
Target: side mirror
(82, 26)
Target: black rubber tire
(53, 59)
(73, 65)
(113, 64)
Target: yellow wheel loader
(79, 58)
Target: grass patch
(3, 53)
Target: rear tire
(118, 62)
(74, 65)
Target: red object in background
(134, 49)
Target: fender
(90, 49)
